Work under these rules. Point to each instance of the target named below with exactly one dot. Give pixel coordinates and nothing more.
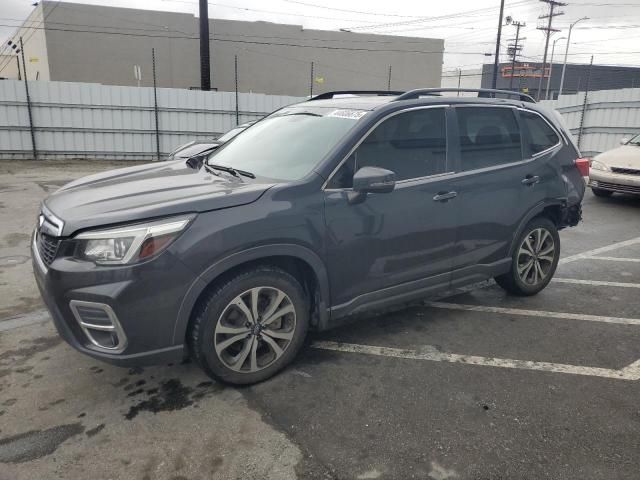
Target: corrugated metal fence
(84, 120)
(609, 115)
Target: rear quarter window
(540, 136)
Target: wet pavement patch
(11, 260)
(94, 431)
(38, 345)
(31, 445)
(169, 396)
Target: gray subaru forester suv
(349, 202)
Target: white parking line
(616, 259)
(429, 353)
(598, 283)
(597, 251)
(534, 313)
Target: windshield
(285, 146)
(634, 141)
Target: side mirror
(371, 180)
(624, 141)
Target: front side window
(411, 144)
(541, 135)
(488, 137)
(287, 145)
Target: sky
(611, 34)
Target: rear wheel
(250, 327)
(598, 192)
(534, 260)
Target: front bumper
(614, 182)
(145, 298)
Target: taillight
(583, 166)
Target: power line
(442, 17)
(350, 11)
(185, 37)
(247, 9)
(44, 17)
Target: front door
(393, 244)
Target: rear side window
(411, 144)
(540, 135)
(488, 137)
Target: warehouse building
(88, 43)
(526, 78)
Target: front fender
(239, 258)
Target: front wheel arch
(297, 260)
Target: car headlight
(597, 165)
(129, 244)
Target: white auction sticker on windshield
(352, 114)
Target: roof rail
(482, 92)
(362, 93)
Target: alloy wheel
(255, 329)
(536, 256)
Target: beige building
(88, 43)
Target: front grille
(618, 188)
(625, 171)
(47, 247)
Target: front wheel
(534, 260)
(250, 327)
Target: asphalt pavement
(478, 385)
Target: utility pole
(548, 30)
(496, 60)
(205, 58)
(515, 49)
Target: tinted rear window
(541, 136)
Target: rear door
(393, 243)
(498, 180)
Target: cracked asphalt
(470, 388)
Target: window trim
(368, 132)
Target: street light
(553, 49)
(566, 51)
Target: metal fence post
(155, 101)
(237, 107)
(389, 80)
(26, 89)
(311, 82)
(584, 104)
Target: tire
(227, 314)
(598, 192)
(522, 280)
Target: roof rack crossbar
(482, 92)
(330, 95)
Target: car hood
(626, 156)
(147, 191)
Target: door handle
(444, 196)
(530, 180)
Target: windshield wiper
(233, 171)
